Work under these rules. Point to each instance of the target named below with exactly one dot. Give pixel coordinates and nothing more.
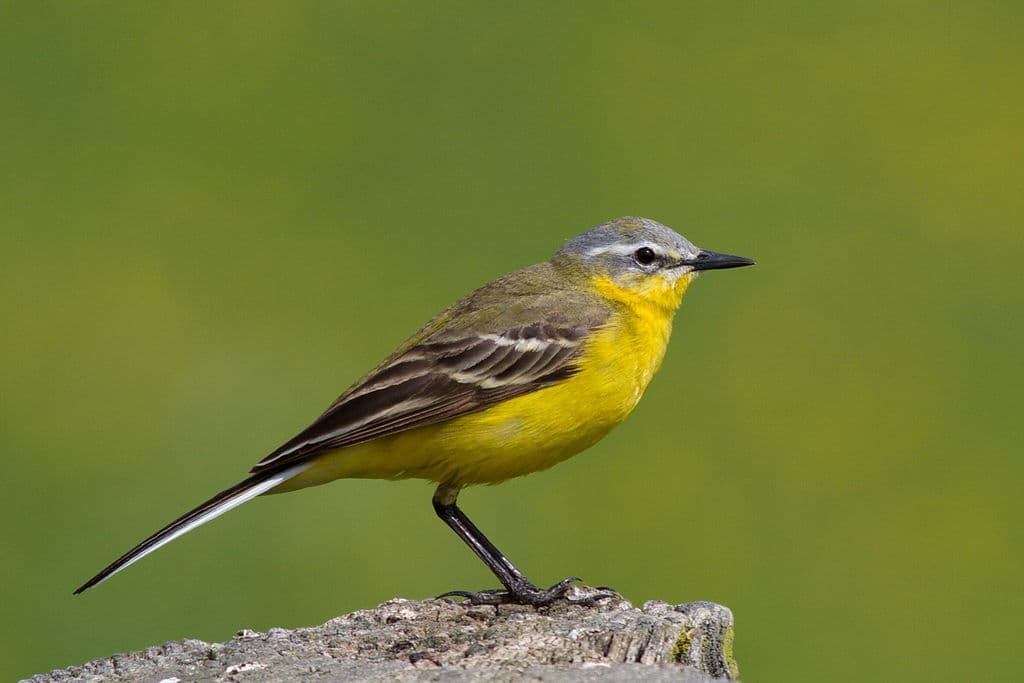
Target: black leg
(518, 588)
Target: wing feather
(437, 380)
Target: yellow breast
(534, 431)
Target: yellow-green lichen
(682, 646)
(727, 655)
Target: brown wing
(437, 380)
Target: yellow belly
(524, 434)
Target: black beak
(710, 260)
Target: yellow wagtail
(523, 373)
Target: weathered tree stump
(432, 640)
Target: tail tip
(86, 586)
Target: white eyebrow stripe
(622, 249)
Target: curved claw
(564, 584)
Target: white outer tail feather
(225, 505)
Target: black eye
(645, 256)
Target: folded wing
(439, 379)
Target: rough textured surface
(433, 640)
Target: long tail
(227, 499)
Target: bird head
(638, 257)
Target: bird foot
(525, 593)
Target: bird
(521, 374)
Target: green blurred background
(215, 217)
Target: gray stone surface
(435, 640)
